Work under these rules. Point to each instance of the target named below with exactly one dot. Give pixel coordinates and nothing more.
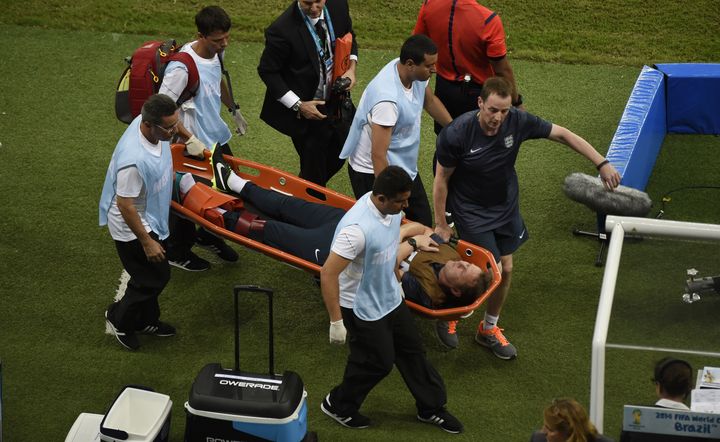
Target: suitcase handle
(271, 346)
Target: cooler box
(231, 405)
(86, 428)
(138, 414)
(235, 405)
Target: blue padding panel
(693, 93)
(641, 130)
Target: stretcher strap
(249, 222)
(201, 198)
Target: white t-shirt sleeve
(350, 242)
(129, 182)
(174, 81)
(384, 113)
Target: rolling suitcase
(234, 405)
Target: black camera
(340, 85)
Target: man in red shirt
(471, 48)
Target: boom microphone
(590, 191)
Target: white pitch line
(119, 293)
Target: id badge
(328, 64)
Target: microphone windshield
(590, 191)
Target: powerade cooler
(234, 405)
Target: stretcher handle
(271, 345)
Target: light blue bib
(156, 173)
(210, 127)
(379, 291)
(405, 141)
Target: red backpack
(144, 74)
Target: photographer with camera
(386, 128)
(300, 101)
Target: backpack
(144, 73)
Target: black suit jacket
(290, 62)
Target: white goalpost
(618, 227)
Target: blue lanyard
(318, 44)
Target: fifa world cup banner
(669, 421)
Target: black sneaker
(221, 171)
(128, 340)
(162, 329)
(217, 246)
(190, 262)
(442, 419)
(356, 420)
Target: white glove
(195, 147)
(240, 122)
(337, 332)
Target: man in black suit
(296, 66)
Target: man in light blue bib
(361, 292)
(386, 127)
(200, 116)
(135, 205)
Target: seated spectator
(565, 420)
(673, 382)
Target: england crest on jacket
(508, 141)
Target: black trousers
(418, 206)
(182, 237)
(457, 96)
(139, 307)
(319, 150)
(375, 346)
(183, 232)
(296, 226)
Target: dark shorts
(502, 241)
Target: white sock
(490, 321)
(186, 183)
(236, 183)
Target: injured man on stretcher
(305, 229)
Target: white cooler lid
(86, 428)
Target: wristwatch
(296, 107)
(413, 243)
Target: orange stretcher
(286, 183)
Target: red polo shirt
(466, 34)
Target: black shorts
(500, 241)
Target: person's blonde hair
(570, 418)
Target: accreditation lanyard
(319, 44)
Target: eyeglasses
(169, 130)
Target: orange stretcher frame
(284, 182)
